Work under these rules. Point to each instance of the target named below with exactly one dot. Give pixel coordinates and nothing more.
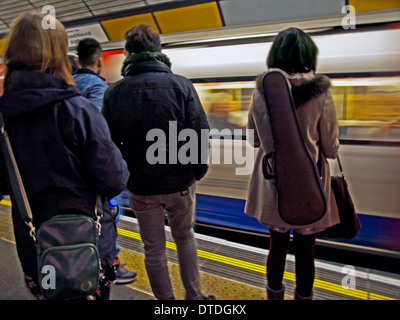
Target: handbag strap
(340, 165)
(15, 179)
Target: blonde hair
(31, 46)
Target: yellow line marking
(337, 288)
(6, 202)
(130, 234)
(10, 241)
(232, 261)
(140, 290)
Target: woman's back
(59, 139)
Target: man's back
(156, 119)
(146, 111)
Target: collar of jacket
(88, 71)
(30, 90)
(146, 62)
(304, 85)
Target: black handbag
(68, 257)
(349, 225)
(67, 246)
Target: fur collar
(304, 86)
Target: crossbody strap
(340, 166)
(15, 178)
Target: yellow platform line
(333, 287)
(140, 290)
(6, 202)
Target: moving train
(364, 67)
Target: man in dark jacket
(148, 112)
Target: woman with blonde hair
(61, 142)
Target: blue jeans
(180, 208)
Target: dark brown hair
(142, 38)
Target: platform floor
(229, 271)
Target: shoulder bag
(349, 225)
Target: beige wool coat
(318, 122)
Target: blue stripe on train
(376, 232)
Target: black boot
(276, 294)
(299, 297)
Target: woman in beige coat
(295, 53)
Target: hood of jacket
(146, 62)
(304, 86)
(29, 91)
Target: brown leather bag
(349, 225)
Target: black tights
(304, 254)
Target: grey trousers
(180, 208)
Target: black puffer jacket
(62, 146)
(151, 97)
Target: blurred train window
(368, 109)
(226, 103)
